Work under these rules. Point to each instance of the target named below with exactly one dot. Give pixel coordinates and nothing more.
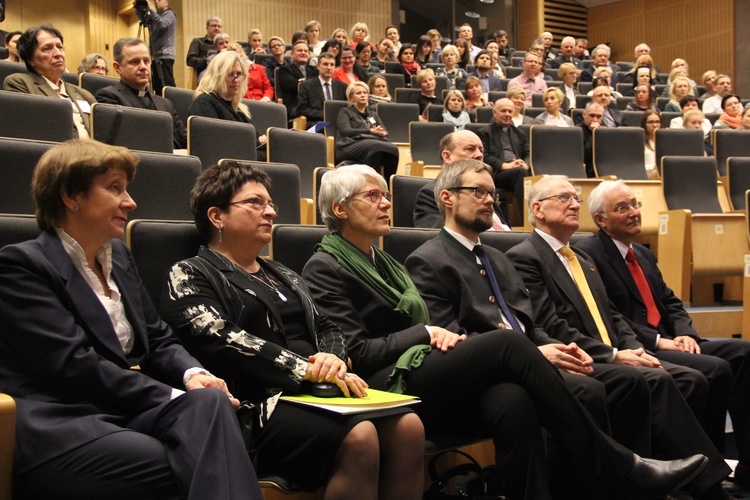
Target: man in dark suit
(314, 92)
(197, 55)
(291, 75)
(506, 149)
(578, 310)
(133, 64)
(592, 119)
(600, 57)
(566, 54)
(660, 321)
(454, 146)
(41, 49)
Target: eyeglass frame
(239, 76)
(375, 198)
(254, 203)
(494, 195)
(624, 209)
(564, 198)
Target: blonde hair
(214, 80)
(422, 73)
(646, 61)
(354, 85)
(450, 49)
(673, 86)
(514, 91)
(460, 95)
(558, 93)
(357, 26)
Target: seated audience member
(644, 99)
(436, 38)
(528, 80)
(687, 103)
(694, 119)
(392, 34)
(312, 28)
(383, 54)
(359, 33)
(553, 101)
(731, 115)
(221, 43)
(636, 287)
(198, 51)
(497, 68)
(41, 49)
(462, 144)
(76, 320)
(341, 35)
(638, 75)
(276, 47)
(259, 88)
(11, 44)
(592, 119)
(650, 123)
(568, 74)
(683, 65)
(678, 89)
(709, 81)
(566, 55)
(454, 109)
(450, 70)
(349, 71)
(378, 86)
(475, 96)
(423, 51)
(571, 305)
(483, 71)
(549, 51)
(94, 63)
(723, 87)
(467, 33)
(291, 75)
(600, 57)
(407, 65)
(364, 58)
(581, 49)
(332, 46)
(133, 64)
(518, 96)
(255, 42)
(426, 82)
(603, 77)
(496, 384)
(219, 93)
(613, 117)
(314, 92)
(501, 37)
(462, 46)
(254, 322)
(506, 149)
(362, 137)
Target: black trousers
(189, 447)
(162, 75)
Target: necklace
(269, 283)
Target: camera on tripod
(142, 11)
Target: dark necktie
(652, 312)
(479, 251)
(328, 91)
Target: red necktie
(652, 314)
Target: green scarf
(404, 298)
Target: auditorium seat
(133, 128)
(18, 158)
(42, 118)
(211, 139)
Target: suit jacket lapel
(129, 292)
(43, 86)
(87, 305)
(128, 95)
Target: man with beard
(483, 70)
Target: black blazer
(60, 357)
(427, 213)
(624, 294)
(559, 306)
(377, 335)
(232, 322)
(560, 59)
(126, 96)
(352, 127)
(289, 76)
(311, 98)
(457, 289)
(493, 145)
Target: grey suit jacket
(559, 306)
(35, 84)
(60, 356)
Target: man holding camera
(162, 22)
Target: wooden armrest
(300, 123)
(415, 168)
(307, 211)
(331, 149)
(7, 444)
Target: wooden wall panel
(530, 22)
(700, 32)
(565, 18)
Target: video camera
(142, 11)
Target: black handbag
(466, 480)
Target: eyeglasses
(257, 203)
(236, 76)
(276, 46)
(625, 208)
(479, 192)
(375, 195)
(653, 122)
(565, 198)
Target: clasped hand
(325, 367)
(568, 358)
(443, 339)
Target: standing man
(566, 54)
(506, 149)
(529, 80)
(571, 304)
(462, 144)
(291, 75)
(636, 288)
(163, 23)
(314, 92)
(197, 56)
(133, 64)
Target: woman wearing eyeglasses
(254, 321)
(219, 93)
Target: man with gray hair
(593, 114)
(566, 54)
(133, 64)
(722, 87)
(571, 304)
(197, 55)
(600, 56)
